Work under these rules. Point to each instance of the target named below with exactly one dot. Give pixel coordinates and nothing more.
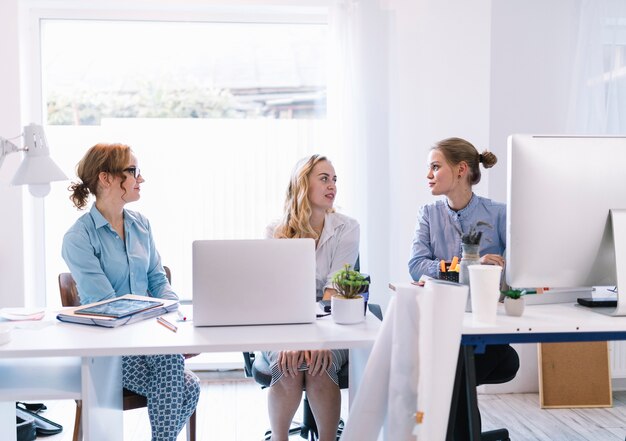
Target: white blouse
(338, 245)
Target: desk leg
(456, 395)
(358, 361)
(102, 398)
(472, 397)
(464, 405)
(7, 421)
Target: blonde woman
(309, 213)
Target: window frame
(32, 12)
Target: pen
(181, 316)
(168, 325)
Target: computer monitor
(566, 202)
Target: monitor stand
(618, 222)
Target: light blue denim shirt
(105, 266)
(437, 238)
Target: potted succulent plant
(347, 305)
(514, 302)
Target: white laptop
(253, 282)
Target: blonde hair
(457, 150)
(297, 209)
(109, 158)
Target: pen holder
(451, 276)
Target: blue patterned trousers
(172, 391)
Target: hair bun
(487, 158)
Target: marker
(172, 327)
(454, 263)
(442, 266)
(181, 316)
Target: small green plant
(349, 283)
(513, 293)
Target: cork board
(574, 375)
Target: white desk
(562, 322)
(88, 363)
(553, 318)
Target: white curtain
(357, 111)
(346, 110)
(598, 99)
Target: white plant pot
(347, 311)
(514, 307)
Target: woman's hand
(492, 259)
(318, 361)
(328, 293)
(289, 361)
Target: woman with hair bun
(453, 168)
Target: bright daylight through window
(217, 114)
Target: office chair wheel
(340, 429)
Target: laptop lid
(253, 282)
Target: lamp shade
(37, 167)
(37, 170)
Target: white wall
(532, 57)
(11, 229)
(439, 87)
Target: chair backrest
(69, 293)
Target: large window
(216, 112)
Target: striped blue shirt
(437, 233)
(105, 266)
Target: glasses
(133, 171)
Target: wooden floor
(232, 408)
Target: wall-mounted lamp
(37, 169)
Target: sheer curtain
(357, 112)
(598, 104)
(346, 109)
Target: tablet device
(594, 302)
(119, 308)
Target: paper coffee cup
(485, 292)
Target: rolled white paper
(441, 307)
(367, 411)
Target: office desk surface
(560, 317)
(84, 362)
(51, 338)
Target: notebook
(111, 319)
(253, 282)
